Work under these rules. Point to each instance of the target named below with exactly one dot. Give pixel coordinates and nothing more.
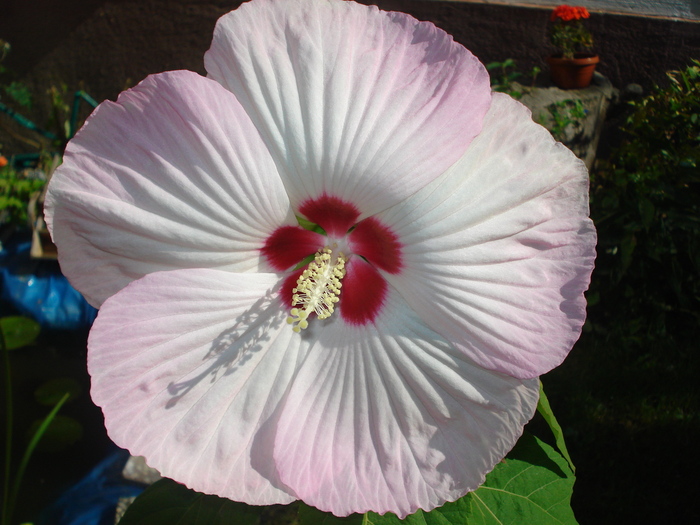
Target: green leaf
(627, 246)
(545, 411)
(647, 212)
(61, 432)
(448, 514)
(311, 226)
(18, 331)
(53, 390)
(20, 93)
(169, 503)
(533, 485)
(312, 516)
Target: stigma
(318, 288)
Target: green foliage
(59, 120)
(504, 77)
(564, 115)
(60, 433)
(533, 485)
(310, 515)
(19, 93)
(169, 503)
(545, 410)
(4, 50)
(646, 205)
(570, 38)
(50, 392)
(503, 74)
(64, 119)
(567, 32)
(16, 187)
(17, 332)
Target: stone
(137, 470)
(574, 116)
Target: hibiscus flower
(332, 270)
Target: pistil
(318, 288)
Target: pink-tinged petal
(173, 175)
(378, 244)
(498, 252)
(353, 101)
(363, 293)
(289, 245)
(389, 417)
(189, 367)
(331, 213)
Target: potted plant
(572, 67)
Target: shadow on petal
(235, 346)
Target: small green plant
(16, 91)
(564, 115)
(504, 75)
(16, 188)
(646, 204)
(19, 93)
(59, 120)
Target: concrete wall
(633, 49)
(678, 9)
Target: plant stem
(30, 449)
(545, 410)
(5, 516)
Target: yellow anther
(317, 288)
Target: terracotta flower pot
(572, 73)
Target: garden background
(628, 395)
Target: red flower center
(366, 247)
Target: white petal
(390, 418)
(172, 175)
(189, 367)
(354, 102)
(498, 252)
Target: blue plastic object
(38, 289)
(93, 500)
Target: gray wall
(681, 9)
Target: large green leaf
(50, 392)
(532, 485)
(312, 516)
(18, 331)
(61, 433)
(169, 503)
